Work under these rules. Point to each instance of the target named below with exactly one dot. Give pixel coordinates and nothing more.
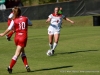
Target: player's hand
(72, 22)
(46, 21)
(1, 34)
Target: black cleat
(53, 52)
(28, 69)
(8, 38)
(9, 70)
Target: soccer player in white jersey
(55, 20)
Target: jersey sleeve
(11, 25)
(10, 16)
(29, 22)
(50, 16)
(63, 16)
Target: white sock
(54, 45)
(51, 46)
(14, 57)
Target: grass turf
(77, 53)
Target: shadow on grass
(54, 68)
(46, 69)
(77, 52)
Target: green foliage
(36, 2)
(30, 2)
(46, 1)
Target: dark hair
(17, 12)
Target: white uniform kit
(55, 24)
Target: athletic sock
(54, 45)
(51, 46)
(13, 61)
(10, 34)
(24, 59)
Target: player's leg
(24, 59)
(9, 35)
(51, 41)
(56, 39)
(50, 36)
(14, 58)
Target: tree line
(36, 2)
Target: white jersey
(56, 20)
(55, 24)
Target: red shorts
(21, 39)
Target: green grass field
(77, 53)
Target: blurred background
(12, 3)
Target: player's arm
(48, 20)
(8, 29)
(29, 23)
(67, 19)
(4, 33)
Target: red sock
(24, 58)
(12, 63)
(10, 34)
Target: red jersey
(10, 17)
(20, 26)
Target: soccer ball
(49, 53)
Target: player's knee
(23, 54)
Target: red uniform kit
(9, 35)
(10, 17)
(20, 27)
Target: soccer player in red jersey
(10, 17)
(9, 35)
(20, 25)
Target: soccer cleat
(53, 52)
(9, 70)
(8, 38)
(28, 69)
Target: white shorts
(53, 30)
